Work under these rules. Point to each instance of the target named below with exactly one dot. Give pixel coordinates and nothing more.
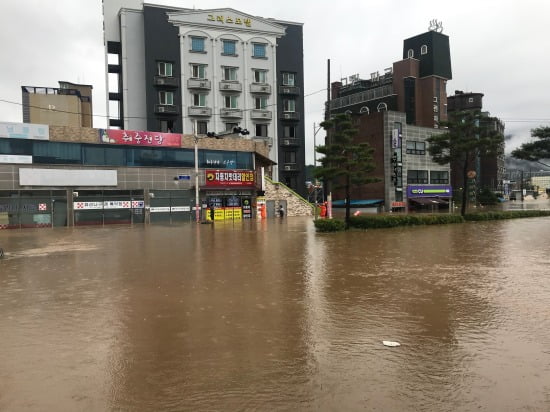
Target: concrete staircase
(296, 205)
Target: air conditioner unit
(435, 99)
(265, 88)
(286, 142)
(265, 114)
(286, 115)
(202, 84)
(161, 109)
(160, 81)
(286, 90)
(226, 86)
(288, 167)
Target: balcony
(290, 116)
(165, 81)
(199, 84)
(166, 109)
(260, 88)
(231, 87)
(290, 90)
(231, 113)
(290, 142)
(260, 114)
(199, 111)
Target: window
(470, 100)
(410, 53)
(364, 109)
(417, 176)
(288, 79)
(439, 177)
(260, 103)
(260, 76)
(258, 50)
(417, 148)
(436, 118)
(202, 127)
(166, 98)
(382, 106)
(423, 49)
(290, 157)
(289, 105)
(198, 71)
(199, 100)
(230, 102)
(197, 44)
(436, 108)
(289, 131)
(229, 47)
(230, 126)
(261, 130)
(166, 126)
(230, 73)
(164, 69)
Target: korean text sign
(139, 138)
(229, 178)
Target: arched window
(424, 49)
(382, 106)
(410, 53)
(364, 109)
(348, 112)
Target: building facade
(395, 112)
(490, 169)
(70, 104)
(208, 71)
(72, 176)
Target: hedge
(389, 221)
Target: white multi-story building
(200, 71)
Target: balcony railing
(166, 108)
(294, 90)
(260, 114)
(165, 81)
(231, 113)
(199, 111)
(199, 84)
(290, 116)
(260, 88)
(231, 87)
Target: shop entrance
(228, 207)
(107, 207)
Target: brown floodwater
(271, 315)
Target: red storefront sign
(230, 178)
(139, 138)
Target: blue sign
(184, 177)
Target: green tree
(537, 150)
(346, 163)
(468, 137)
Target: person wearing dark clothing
(281, 211)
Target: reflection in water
(272, 315)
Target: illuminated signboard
(230, 178)
(139, 138)
(429, 191)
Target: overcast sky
(500, 48)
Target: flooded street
(271, 315)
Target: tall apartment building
(395, 112)
(490, 169)
(70, 104)
(174, 69)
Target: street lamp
(316, 130)
(197, 210)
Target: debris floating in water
(391, 343)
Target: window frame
(230, 69)
(258, 74)
(423, 49)
(286, 79)
(417, 147)
(163, 97)
(256, 46)
(262, 127)
(165, 65)
(194, 39)
(417, 179)
(228, 101)
(440, 180)
(289, 105)
(199, 98)
(260, 100)
(229, 41)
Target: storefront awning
(358, 203)
(429, 201)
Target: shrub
(387, 221)
(329, 225)
(508, 214)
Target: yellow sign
(230, 20)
